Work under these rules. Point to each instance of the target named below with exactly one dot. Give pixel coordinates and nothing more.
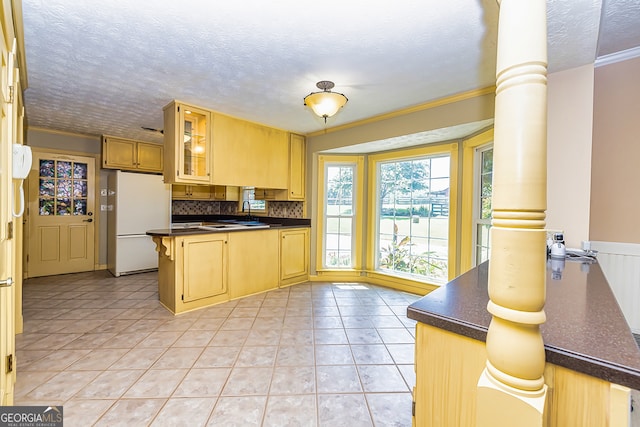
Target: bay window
(412, 217)
(341, 212)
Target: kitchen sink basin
(222, 225)
(248, 223)
(232, 226)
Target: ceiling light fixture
(326, 103)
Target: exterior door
(60, 217)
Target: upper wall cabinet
(296, 174)
(249, 154)
(187, 136)
(127, 154)
(297, 170)
(204, 147)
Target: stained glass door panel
(63, 187)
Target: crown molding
(425, 106)
(63, 132)
(623, 55)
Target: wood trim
(468, 180)
(416, 108)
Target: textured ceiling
(109, 66)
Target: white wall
(569, 138)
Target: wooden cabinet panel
(150, 156)
(200, 192)
(118, 153)
(226, 193)
(253, 262)
(297, 169)
(266, 193)
(231, 144)
(204, 192)
(248, 154)
(294, 255)
(179, 192)
(128, 154)
(205, 266)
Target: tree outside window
(413, 217)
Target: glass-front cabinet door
(187, 130)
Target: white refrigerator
(136, 202)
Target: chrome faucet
(248, 203)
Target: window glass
(413, 217)
(339, 216)
(248, 196)
(484, 191)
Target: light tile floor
(314, 354)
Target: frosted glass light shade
(325, 104)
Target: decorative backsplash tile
(285, 209)
(204, 207)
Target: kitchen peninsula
(592, 357)
(214, 260)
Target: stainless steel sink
(222, 225)
(232, 226)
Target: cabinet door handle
(6, 283)
(88, 220)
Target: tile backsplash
(203, 207)
(285, 209)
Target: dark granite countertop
(271, 220)
(585, 329)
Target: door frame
(97, 211)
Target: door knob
(88, 220)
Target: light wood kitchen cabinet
(267, 193)
(192, 271)
(199, 270)
(205, 266)
(252, 262)
(226, 193)
(249, 154)
(212, 148)
(294, 256)
(191, 192)
(297, 169)
(187, 136)
(296, 174)
(128, 154)
(205, 192)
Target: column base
(501, 405)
